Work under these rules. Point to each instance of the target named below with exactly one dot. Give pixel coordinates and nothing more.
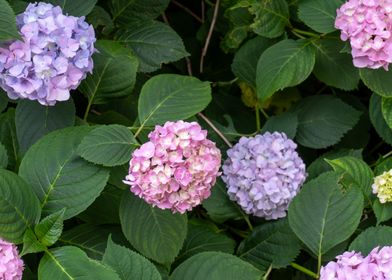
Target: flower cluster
(263, 174)
(352, 265)
(53, 57)
(11, 265)
(176, 168)
(382, 186)
(368, 26)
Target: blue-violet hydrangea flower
(263, 174)
(53, 57)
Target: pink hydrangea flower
(11, 265)
(176, 168)
(352, 265)
(368, 25)
(53, 57)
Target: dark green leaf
(377, 119)
(75, 8)
(286, 122)
(3, 100)
(8, 28)
(283, 65)
(322, 216)
(33, 120)
(57, 173)
(154, 43)
(215, 265)
(157, 234)
(109, 145)
(372, 238)
(8, 136)
(50, 228)
(3, 157)
(386, 108)
(377, 80)
(383, 211)
(31, 244)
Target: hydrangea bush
(203, 139)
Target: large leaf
(110, 145)
(8, 28)
(377, 80)
(286, 122)
(383, 211)
(386, 108)
(66, 263)
(215, 265)
(114, 73)
(245, 59)
(8, 136)
(377, 119)
(201, 237)
(371, 238)
(319, 14)
(356, 173)
(34, 120)
(3, 156)
(323, 120)
(169, 97)
(322, 216)
(157, 234)
(129, 264)
(75, 8)
(125, 11)
(271, 17)
(333, 67)
(50, 228)
(219, 206)
(283, 65)
(153, 42)
(19, 207)
(57, 173)
(270, 244)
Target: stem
(223, 84)
(387, 154)
(187, 10)
(217, 131)
(164, 17)
(318, 265)
(303, 32)
(208, 39)
(264, 113)
(246, 218)
(258, 126)
(87, 111)
(298, 35)
(138, 131)
(265, 277)
(304, 270)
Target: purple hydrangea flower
(352, 265)
(11, 265)
(53, 58)
(263, 174)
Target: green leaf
(3, 157)
(286, 122)
(126, 11)
(322, 216)
(285, 64)
(271, 17)
(19, 207)
(371, 238)
(8, 30)
(114, 73)
(8, 136)
(386, 108)
(75, 8)
(333, 67)
(155, 233)
(377, 119)
(153, 42)
(356, 172)
(56, 173)
(219, 206)
(31, 243)
(128, 264)
(320, 165)
(3, 100)
(377, 80)
(270, 244)
(201, 238)
(33, 120)
(99, 17)
(89, 238)
(323, 120)
(66, 263)
(319, 14)
(383, 211)
(50, 228)
(384, 165)
(169, 97)
(245, 59)
(109, 145)
(215, 265)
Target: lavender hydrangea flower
(352, 265)
(11, 265)
(263, 174)
(176, 168)
(53, 58)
